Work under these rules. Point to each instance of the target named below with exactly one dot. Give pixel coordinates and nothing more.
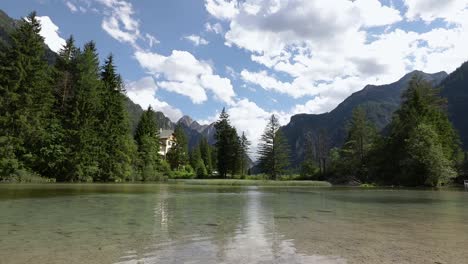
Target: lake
(146, 223)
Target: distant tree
(361, 139)
(147, 138)
(205, 151)
(273, 150)
(309, 167)
(226, 145)
(425, 147)
(243, 153)
(197, 163)
(178, 155)
(420, 133)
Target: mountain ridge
(379, 102)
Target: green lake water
(206, 224)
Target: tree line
(420, 147)
(68, 122)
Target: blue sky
(257, 57)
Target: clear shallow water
(199, 224)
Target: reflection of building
(167, 141)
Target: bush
(186, 172)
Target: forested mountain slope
(329, 129)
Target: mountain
(195, 132)
(455, 89)
(135, 111)
(329, 129)
(7, 25)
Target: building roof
(165, 133)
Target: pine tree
(309, 168)
(226, 146)
(147, 139)
(197, 163)
(360, 142)
(205, 151)
(273, 150)
(177, 156)
(25, 99)
(83, 123)
(421, 120)
(65, 68)
(115, 127)
(244, 150)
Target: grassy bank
(228, 182)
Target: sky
(257, 57)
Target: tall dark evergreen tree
(178, 155)
(65, 69)
(147, 139)
(423, 146)
(115, 127)
(197, 163)
(226, 145)
(309, 166)
(243, 153)
(362, 136)
(86, 107)
(205, 151)
(273, 150)
(26, 100)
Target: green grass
(228, 182)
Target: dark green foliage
(273, 150)
(86, 108)
(206, 155)
(116, 139)
(455, 90)
(421, 120)
(25, 98)
(227, 146)
(379, 103)
(147, 126)
(197, 162)
(147, 138)
(351, 162)
(309, 167)
(177, 156)
(244, 146)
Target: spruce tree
(147, 139)
(226, 146)
(420, 131)
(25, 99)
(273, 150)
(205, 151)
(362, 136)
(197, 163)
(65, 68)
(243, 153)
(178, 155)
(114, 127)
(83, 123)
(309, 168)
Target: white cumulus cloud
(50, 33)
(143, 92)
(197, 40)
(182, 73)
